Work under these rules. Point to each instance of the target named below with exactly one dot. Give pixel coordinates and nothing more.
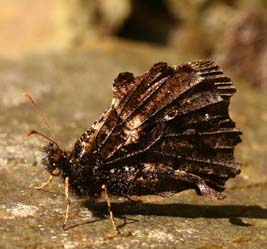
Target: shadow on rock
(233, 212)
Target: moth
(166, 131)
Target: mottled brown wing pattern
(176, 116)
(148, 93)
(129, 95)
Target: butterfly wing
(176, 116)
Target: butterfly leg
(44, 184)
(204, 189)
(104, 187)
(68, 203)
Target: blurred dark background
(234, 32)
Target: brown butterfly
(166, 130)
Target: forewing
(110, 133)
(115, 133)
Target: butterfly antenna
(45, 120)
(44, 136)
(41, 113)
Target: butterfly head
(56, 161)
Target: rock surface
(74, 88)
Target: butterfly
(166, 131)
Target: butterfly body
(167, 130)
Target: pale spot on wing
(131, 136)
(149, 166)
(153, 166)
(86, 147)
(134, 122)
(115, 103)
